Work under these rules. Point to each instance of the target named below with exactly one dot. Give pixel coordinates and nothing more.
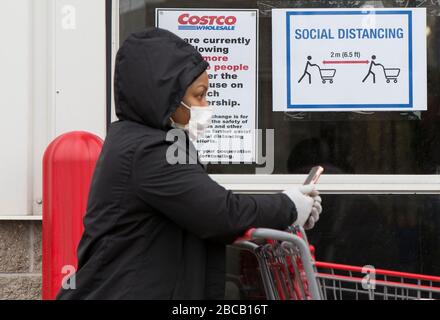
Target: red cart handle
(248, 235)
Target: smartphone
(314, 175)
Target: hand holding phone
(312, 179)
(314, 175)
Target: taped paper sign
(228, 40)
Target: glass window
(343, 142)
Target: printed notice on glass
(228, 40)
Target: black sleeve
(186, 194)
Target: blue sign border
(360, 106)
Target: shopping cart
(327, 75)
(391, 74)
(289, 272)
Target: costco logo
(195, 22)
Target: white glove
(308, 205)
(317, 207)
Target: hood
(152, 72)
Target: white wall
(16, 111)
(80, 49)
(40, 55)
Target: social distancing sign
(349, 59)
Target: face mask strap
(185, 105)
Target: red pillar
(68, 166)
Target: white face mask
(200, 119)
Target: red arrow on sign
(345, 61)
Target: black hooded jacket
(155, 230)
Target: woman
(155, 230)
